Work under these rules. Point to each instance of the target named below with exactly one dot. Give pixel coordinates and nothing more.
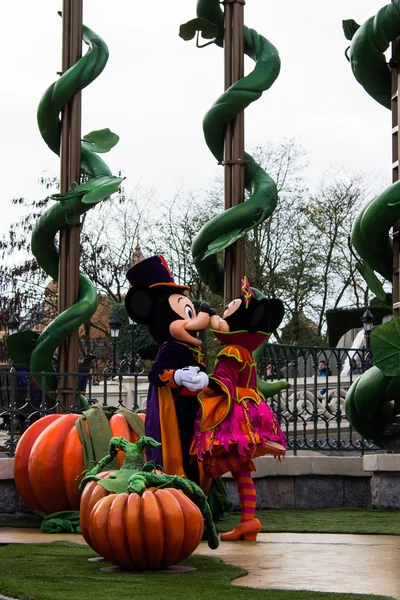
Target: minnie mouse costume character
(178, 372)
(235, 424)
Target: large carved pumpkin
(49, 457)
(156, 530)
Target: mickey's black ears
(139, 305)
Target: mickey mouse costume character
(235, 424)
(178, 372)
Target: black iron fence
(311, 411)
(22, 401)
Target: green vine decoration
(98, 184)
(369, 403)
(233, 224)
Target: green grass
(330, 520)
(61, 571)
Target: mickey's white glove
(201, 381)
(191, 378)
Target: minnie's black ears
(276, 313)
(266, 315)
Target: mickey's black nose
(205, 307)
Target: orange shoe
(247, 531)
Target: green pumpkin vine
(98, 185)
(369, 400)
(234, 223)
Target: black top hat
(152, 272)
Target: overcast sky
(156, 88)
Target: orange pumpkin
(49, 457)
(153, 531)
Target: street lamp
(132, 327)
(368, 324)
(367, 320)
(115, 325)
(13, 325)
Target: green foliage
(303, 331)
(101, 140)
(92, 191)
(144, 344)
(341, 320)
(20, 346)
(118, 482)
(188, 30)
(385, 344)
(371, 280)
(350, 27)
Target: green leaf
(21, 345)
(92, 191)
(350, 27)
(100, 141)
(102, 188)
(368, 274)
(270, 388)
(385, 344)
(118, 481)
(208, 30)
(223, 241)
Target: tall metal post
(70, 154)
(395, 65)
(234, 143)
(132, 327)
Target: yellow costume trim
(242, 394)
(199, 355)
(232, 351)
(170, 440)
(218, 406)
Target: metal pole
(114, 367)
(234, 142)
(133, 328)
(70, 155)
(395, 65)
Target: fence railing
(311, 412)
(22, 402)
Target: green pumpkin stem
(134, 459)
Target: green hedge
(341, 320)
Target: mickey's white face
(186, 328)
(182, 306)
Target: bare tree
(300, 254)
(331, 213)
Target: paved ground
(363, 564)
